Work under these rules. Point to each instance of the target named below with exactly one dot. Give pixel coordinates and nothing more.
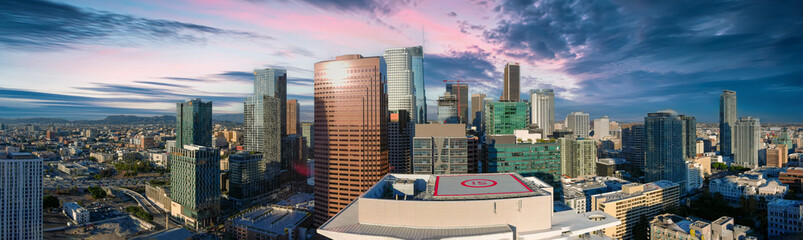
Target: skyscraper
(460, 90)
(270, 82)
(633, 144)
(306, 131)
(247, 176)
(579, 124)
(350, 142)
(665, 147)
(727, 117)
(578, 157)
(293, 117)
(747, 140)
(602, 127)
(405, 76)
(512, 84)
(194, 123)
(448, 108)
(477, 108)
(272, 150)
(689, 136)
(505, 117)
(400, 136)
(542, 102)
(507, 155)
(440, 149)
(21, 196)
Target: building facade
(735, 188)
(269, 82)
(633, 139)
(746, 142)
(400, 137)
(194, 123)
(477, 111)
(670, 226)
(602, 128)
(579, 124)
(578, 157)
(505, 117)
(21, 196)
(512, 85)
(401, 80)
(440, 149)
(460, 91)
(506, 155)
(195, 185)
(293, 117)
(448, 108)
(727, 119)
(634, 201)
(542, 102)
(784, 217)
(665, 143)
(77, 213)
(247, 175)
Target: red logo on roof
(479, 183)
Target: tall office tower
(247, 175)
(578, 123)
(306, 131)
(633, 144)
(448, 108)
(293, 117)
(460, 90)
(350, 142)
(689, 136)
(270, 82)
(665, 149)
(635, 201)
(602, 128)
(542, 102)
(21, 196)
(293, 157)
(746, 141)
(400, 136)
(195, 184)
(578, 157)
(511, 89)
(420, 87)
(507, 155)
(194, 123)
(440, 149)
(505, 117)
(272, 140)
(477, 108)
(476, 154)
(727, 118)
(401, 80)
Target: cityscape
(376, 119)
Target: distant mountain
(32, 120)
(234, 117)
(121, 119)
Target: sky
(86, 59)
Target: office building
(306, 131)
(401, 80)
(195, 185)
(577, 192)
(776, 156)
(689, 136)
(608, 167)
(727, 119)
(440, 149)
(460, 91)
(784, 137)
(746, 142)
(784, 217)
(634, 201)
(351, 152)
(272, 135)
(194, 123)
(21, 196)
(669, 226)
(542, 102)
(705, 162)
(248, 175)
(417, 55)
(578, 157)
(477, 111)
(602, 128)
(400, 136)
(507, 155)
(793, 177)
(268, 222)
(579, 124)
(505, 117)
(465, 206)
(747, 185)
(633, 144)
(448, 108)
(269, 82)
(78, 214)
(293, 117)
(665, 143)
(512, 82)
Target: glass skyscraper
(194, 123)
(727, 118)
(747, 141)
(269, 82)
(665, 151)
(460, 91)
(405, 81)
(195, 184)
(417, 55)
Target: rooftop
(634, 189)
(460, 187)
(272, 219)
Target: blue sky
(88, 59)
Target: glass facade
(195, 183)
(417, 55)
(541, 160)
(727, 118)
(665, 147)
(269, 82)
(194, 123)
(504, 117)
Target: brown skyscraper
(512, 83)
(351, 122)
(461, 91)
(477, 107)
(293, 126)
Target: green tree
(96, 192)
(50, 201)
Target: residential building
(542, 102)
(669, 226)
(507, 155)
(400, 136)
(689, 136)
(448, 108)
(634, 201)
(665, 151)
(78, 214)
(477, 111)
(293, 117)
(159, 158)
(784, 217)
(269, 82)
(747, 185)
(700, 147)
(577, 192)
(694, 176)
(460, 91)
(705, 162)
(727, 120)
(195, 185)
(512, 80)
(101, 157)
(505, 117)
(465, 206)
(608, 167)
(633, 143)
(21, 196)
(248, 176)
(792, 177)
(268, 222)
(578, 157)
(351, 152)
(440, 149)
(777, 156)
(746, 142)
(579, 124)
(194, 123)
(602, 128)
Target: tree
(96, 192)
(50, 201)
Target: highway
(52, 183)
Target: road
(150, 207)
(52, 183)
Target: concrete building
(507, 155)
(477, 111)
(689, 136)
(746, 142)
(512, 80)
(194, 123)
(248, 176)
(694, 176)
(473, 206)
(542, 114)
(633, 139)
(777, 156)
(195, 185)
(579, 124)
(793, 177)
(727, 120)
(577, 192)
(351, 152)
(602, 128)
(307, 130)
(159, 195)
(784, 217)
(608, 167)
(578, 157)
(460, 91)
(77, 213)
(633, 201)
(293, 117)
(400, 137)
(440, 149)
(158, 158)
(271, 83)
(448, 108)
(505, 117)
(670, 226)
(733, 188)
(700, 147)
(665, 147)
(21, 196)
(705, 162)
(268, 222)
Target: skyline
(89, 59)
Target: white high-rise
(543, 110)
(746, 141)
(602, 128)
(21, 196)
(578, 123)
(400, 77)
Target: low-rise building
(72, 169)
(670, 226)
(159, 158)
(793, 177)
(577, 192)
(607, 167)
(102, 157)
(694, 176)
(634, 201)
(784, 217)
(733, 188)
(269, 222)
(160, 195)
(77, 213)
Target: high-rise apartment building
(306, 131)
(579, 124)
(21, 196)
(195, 185)
(542, 102)
(746, 141)
(448, 108)
(270, 82)
(405, 81)
(272, 140)
(440, 149)
(633, 144)
(194, 123)
(689, 136)
(400, 136)
(634, 201)
(578, 157)
(351, 142)
(477, 109)
(505, 117)
(507, 155)
(665, 151)
(727, 118)
(460, 91)
(247, 175)
(293, 117)
(602, 128)
(512, 83)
